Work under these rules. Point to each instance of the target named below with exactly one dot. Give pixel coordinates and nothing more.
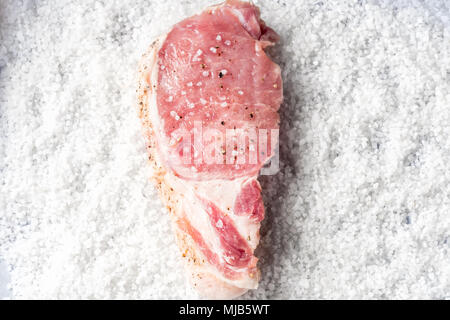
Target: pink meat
(212, 69)
(210, 74)
(249, 201)
(236, 251)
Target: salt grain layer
(359, 209)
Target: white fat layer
(198, 217)
(240, 16)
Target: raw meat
(208, 98)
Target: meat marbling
(211, 74)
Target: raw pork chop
(208, 98)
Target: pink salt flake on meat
(208, 98)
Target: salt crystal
(219, 224)
(174, 115)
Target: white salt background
(359, 209)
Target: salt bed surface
(359, 209)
